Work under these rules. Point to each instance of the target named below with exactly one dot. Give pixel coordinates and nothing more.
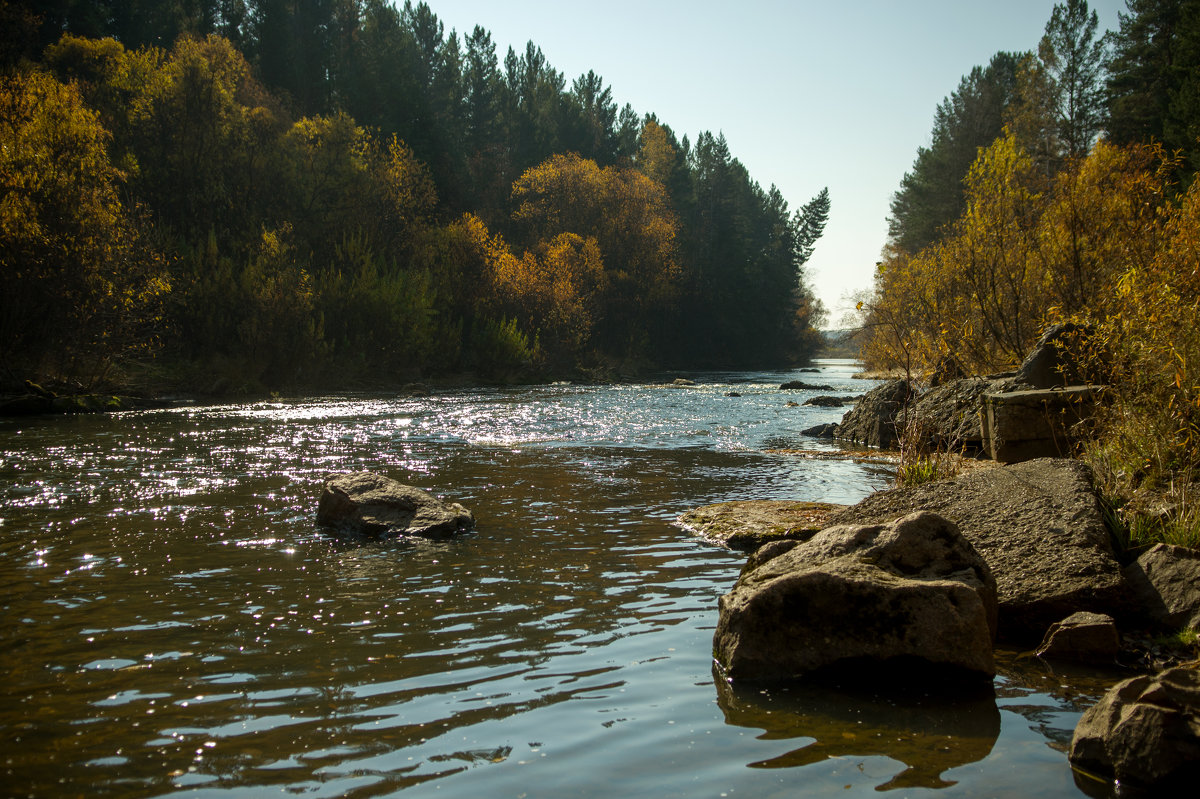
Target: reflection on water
(928, 734)
(173, 622)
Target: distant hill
(839, 344)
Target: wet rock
(415, 390)
(1040, 528)
(369, 504)
(1166, 583)
(825, 401)
(874, 598)
(800, 385)
(682, 382)
(828, 430)
(1145, 731)
(1085, 637)
(749, 524)
(874, 420)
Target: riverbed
(174, 623)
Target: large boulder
(369, 504)
(876, 597)
(1145, 731)
(874, 421)
(749, 524)
(1166, 582)
(1039, 526)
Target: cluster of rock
(920, 581)
(1030, 413)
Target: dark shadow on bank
(930, 733)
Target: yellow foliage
(79, 280)
(1027, 251)
(629, 218)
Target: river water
(175, 624)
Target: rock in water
(874, 421)
(1145, 730)
(1040, 527)
(363, 503)
(748, 524)
(870, 597)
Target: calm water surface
(174, 623)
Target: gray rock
(748, 524)
(869, 597)
(800, 385)
(363, 503)
(1039, 423)
(827, 430)
(826, 401)
(1085, 637)
(874, 420)
(948, 416)
(1166, 582)
(1038, 525)
(1145, 731)
(1051, 364)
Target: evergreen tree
(1154, 76)
(930, 196)
(1072, 56)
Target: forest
(237, 196)
(1060, 185)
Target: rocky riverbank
(918, 583)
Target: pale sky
(808, 94)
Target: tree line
(250, 194)
(1060, 185)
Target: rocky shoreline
(917, 584)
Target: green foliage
(931, 195)
(294, 230)
(1154, 77)
(82, 279)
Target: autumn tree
(83, 282)
(630, 219)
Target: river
(175, 624)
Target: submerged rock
(1145, 731)
(363, 503)
(874, 597)
(1040, 528)
(749, 524)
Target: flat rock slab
(748, 524)
(1038, 525)
(369, 504)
